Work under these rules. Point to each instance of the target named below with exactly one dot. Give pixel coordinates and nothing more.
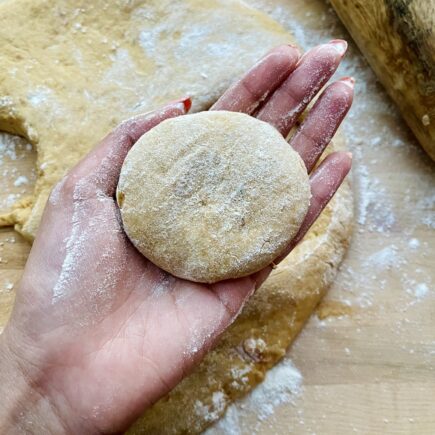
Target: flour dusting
(21, 181)
(94, 245)
(282, 385)
(16, 169)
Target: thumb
(101, 167)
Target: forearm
(23, 409)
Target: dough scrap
(213, 195)
(73, 70)
(57, 45)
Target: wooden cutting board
(366, 362)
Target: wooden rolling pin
(398, 39)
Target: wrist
(23, 408)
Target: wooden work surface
(366, 360)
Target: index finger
(260, 81)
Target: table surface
(365, 362)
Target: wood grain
(398, 39)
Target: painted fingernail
(340, 45)
(349, 81)
(185, 101)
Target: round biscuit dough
(213, 195)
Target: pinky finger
(324, 181)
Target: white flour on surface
(21, 181)
(282, 385)
(18, 178)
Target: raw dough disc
(213, 195)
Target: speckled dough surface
(213, 195)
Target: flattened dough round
(213, 195)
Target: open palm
(104, 333)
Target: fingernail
(349, 155)
(185, 101)
(296, 49)
(349, 81)
(340, 45)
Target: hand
(98, 333)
